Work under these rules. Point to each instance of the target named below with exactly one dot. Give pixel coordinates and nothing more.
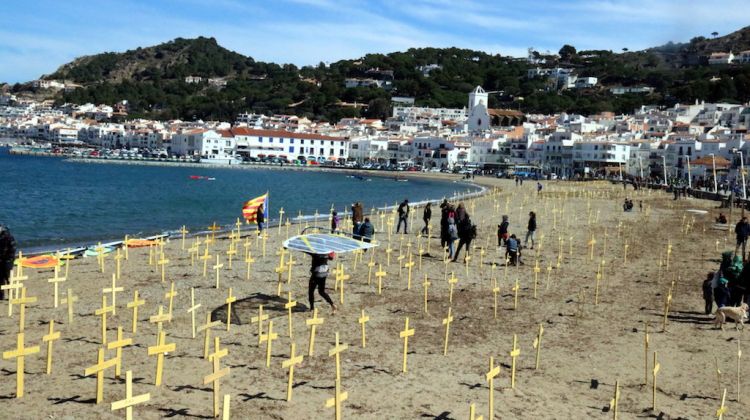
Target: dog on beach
(736, 313)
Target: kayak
(40, 261)
(139, 243)
(93, 252)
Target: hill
(153, 80)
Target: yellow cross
(184, 232)
(289, 306)
(51, 336)
(380, 274)
(22, 302)
(69, 299)
(160, 318)
(515, 290)
(269, 337)
(205, 257)
(538, 345)
(289, 364)
(654, 372)
(722, 409)
(490, 376)
(118, 259)
(259, 319)
(118, 345)
(425, 284)
(99, 368)
(134, 304)
(217, 373)
(363, 319)
(130, 400)
(249, 261)
(338, 398)
(159, 350)
(514, 353)
(452, 281)
(336, 353)
(207, 328)
(170, 295)
(113, 290)
(405, 334)
(55, 281)
(103, 311)
(20, 354)
(409, 266)
(312, 323)
(217, 267)
(14, 285)
(163, 261)
(447, 322)
(192, 309)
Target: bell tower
(479, 118)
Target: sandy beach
(591, 338)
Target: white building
(597, 155)
(206, 144)
(479, 117)
(289, 145)
(719, 58)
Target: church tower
(479, 118)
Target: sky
(37, 36)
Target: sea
(52, 203)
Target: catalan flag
(250, 209)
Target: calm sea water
(48, 202)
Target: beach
(592, 335)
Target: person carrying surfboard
(318, 275)
(7, 255)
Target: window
(291, 149)
(260, 139)
(270, 140)
(281, 141)
(291, 141)
(301, 142)
(341, 152)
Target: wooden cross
(380, 274)
(259, 319)
(472, 413)
(363, 319)
(229, 300)
(207, 328)
(722, 409)
(51, 336)
(591, 244)
(184, 232)
(516, 287)
(538, 346)
(129, 400)
(20, 354)
(170, 295)
(739, 357)
(405, 334)
(289, 306)
(248, 261)
(14, 285)
(613, 403)
(67, 257)
(217, 373)
(231, 252)
(213, 228)
(452, 282)
(495, 292)
(217, 267)
(655, 372)
(163, 261)
(338, 398)
(22, 301)
(193, 251)
(336, 353)
(370, 266)
(447, 322)
(192, 309)
(55, 281)
(134, 304)
(425, 284)
(312, 323)
(69, 299)
(467, 258)
(118, 259)
(99, 368)
(100, 256)
(514, 353)
(490, 376)
(205, 257)
(268, 337)
(409, 266)
(160, 349)
(289, 364)
(160, 318)
(103, 311)
(118, 345)
(113, 290)
(388, 252)
(289, 265)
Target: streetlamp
(716, 183)
(689, 176)
(664, 166)
(742, 171)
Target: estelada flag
(250, 209)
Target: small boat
(40, 261)
(210, 179)
(196, 177)
(94, 251)
(139, 243)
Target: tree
(714, 34)
(567, 52)
(625, 49)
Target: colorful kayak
(40, 261)
(96, 251)
(139, 243)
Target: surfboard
(92, 251)
(323, 243)
(40, 261)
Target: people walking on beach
(466, 232)
(708, 292)
(335, 221)
(530, 230)
(426, 216)
(512, 250)
(260, 219)
(538, 187)
(403, 216)
(452, 235)
(742, 231)
(446, 211)
(357, 218)
(7, 255)
(318, 275)
(366, 230)
(502, 231)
